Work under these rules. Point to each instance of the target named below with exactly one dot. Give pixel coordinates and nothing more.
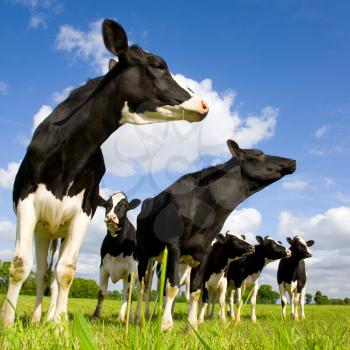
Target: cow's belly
(119, 267)
(250, 280)
(55, 215)
(216, 281)
(291, 288)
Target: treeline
(88, 288)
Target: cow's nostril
(204, 105)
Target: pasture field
(326, 327)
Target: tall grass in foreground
(326, 327)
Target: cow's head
(235, 245)
(145, 85)
(299, 247)
(271, 249)
(260, 169)
(117, 207)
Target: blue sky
(284, 65)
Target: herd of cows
(56, 193)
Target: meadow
(326, 327)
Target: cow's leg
(148, 289)
(22, 262)
(296, 297)
(122, 312)
(66, 264)
(188, 295)
(222, 300)
(142, 268)
(253, 300)
(172, 286)
(230, 294)
(302, 303)
(197, 276)
(239, 303)
(41, 275)
(291, 302)
(204, 307)
(104, 275)
(213, 298)
(283, 300)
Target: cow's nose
(251, 249)
(204, 106)
(288, 253)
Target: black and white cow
(187, 215)
(246, 271)
(291, 276)
(117, 250)
(56, 188)
(225, 250)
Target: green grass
(326, 327)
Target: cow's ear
(279, 242)
(112, 63)
(310, 243)
(133, 204)
(114, 37)
(289, 240)
(243, 236)
(260, 240)
(220, 238)
(234, 148)
(101, 202)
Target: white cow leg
(148, 289)
(231, 297)
(192, 313)
(238, 297)
(222, 300)
(291, 303)
(102, 291)
(22, 262)
(66, 265)
(122, 312)
(41, 275)
(202, 313)
(253, 300)
(167, 319)
(53, 300)
(283, 300)
(188, 294)
(302, 303)
(296, 297)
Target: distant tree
(321, 299)
(347, 301)
(337, 301)
(83, 288)
(308, 298)
(266, 295)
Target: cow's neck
(219, 257)
(259, 256)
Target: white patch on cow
(251, 279)
(111, 219)
(235, 234)
(171, 293)
(302, 240)
(119, 267)
(187, 259)
(191, 110)
(54, 215)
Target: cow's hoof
(200, 321)
(167, 325)
(121, 318)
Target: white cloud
(3, 88)
(40, 11)
(40, 115)
(177, 146)
(320, 132)
(330, 262)
(85, 45)
(295, 184)
(7, 230)
(343, 197)
(60, 96)
(245, 221)
(7, 175)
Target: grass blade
(82, 331)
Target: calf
(56, 188)
(247, 271)
(117, 250)
(291, 275)
(187, 215)
(225, 250)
